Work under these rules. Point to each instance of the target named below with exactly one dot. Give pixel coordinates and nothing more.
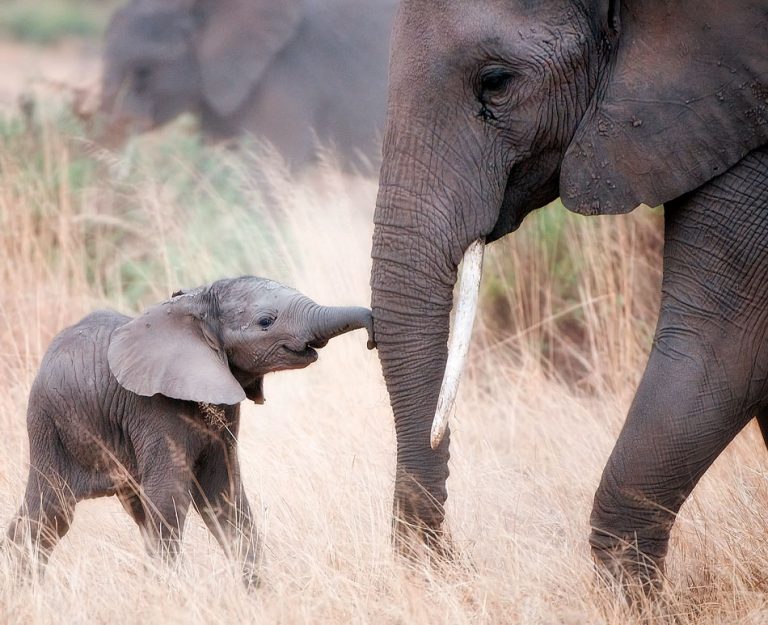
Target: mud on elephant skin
(148, 409)
(293, 72)
(496, 107)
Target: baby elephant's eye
(265, 322)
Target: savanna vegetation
(49, 21)
(567, 316)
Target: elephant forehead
(271, 285)
(269, 294)
(455, 32)
(165, 31)
(250, 294)
(272, 293)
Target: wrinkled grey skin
(290, 72)
(496, 108)
(148, 409)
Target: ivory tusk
(458, 344)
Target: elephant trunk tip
(371, 335)
(337, 321)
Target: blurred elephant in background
(293, 72)
(496, 108)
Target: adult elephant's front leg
(420, 493)
(706, 376)
(762, 422)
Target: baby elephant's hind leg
(134, 506)
(43, 519)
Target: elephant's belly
(101, 470)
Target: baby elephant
(148, 409)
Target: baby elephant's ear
(172, 350)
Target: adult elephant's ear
(173, 349)
(683, 98)
(238, 41)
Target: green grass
(198, 197)
(46, 22)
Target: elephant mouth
(305, 356)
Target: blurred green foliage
(164, 208)
(46, 22)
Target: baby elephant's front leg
(165, 502)
(221, 501)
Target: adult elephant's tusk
(458, 344)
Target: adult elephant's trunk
(332, 321)
(418, 243)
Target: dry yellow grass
(528, 445)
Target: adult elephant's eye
(495, 81)
(265, 322)
(494, 86)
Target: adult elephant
(292, 72)
(496, 108)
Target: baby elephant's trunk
(332, 321)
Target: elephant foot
(22, 564)
(417, 517)
(251, 580)
(416, 541)
(625, 568)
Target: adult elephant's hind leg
(707, 372)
